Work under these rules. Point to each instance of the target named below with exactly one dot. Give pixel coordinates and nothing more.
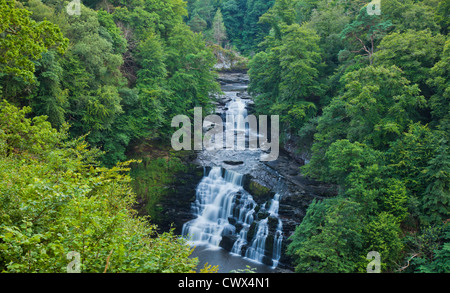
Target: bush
(55, 199)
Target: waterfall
(226, 215)
(278, 238)
(223, 208)
(213, 206)
(257, 250)
(236, 113)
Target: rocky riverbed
(261, 179)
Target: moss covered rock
(259, 192)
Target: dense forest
(77, 90)
(367, 95)
(364, 95)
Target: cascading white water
(220, 198)
(257, 249)
(213, 206)
(236, 113)
(223, 209)
(278, 238)
(277, 242)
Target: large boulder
(259, 191)
(228, 241)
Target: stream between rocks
(245, 209)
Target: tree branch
(107, 261)
(405, 267)
(364, 46)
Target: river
(234, 228)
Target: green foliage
(110, 31)
(328, 21)
(50, 99)
(440, 83)
(253, 31)
(429, 250)
(20, 135)
(24, 40)
(284, 77)
(239, 19)
(365, 31)
(128, 68)
(197, 24)
(384, 236)
(369, 94)
(54, 198)
(381, 132)
(380, 103)
(247, 270)
(329, 238)
(412, 15)
(415, 52)
(345, 158)
(121, 78)
(218, 27)
(420, 158)
(436, 198)
(152, 179)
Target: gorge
(87, 162)
(241, 204)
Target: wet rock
(228, 241)
(233, 78)
(233, 163)
(251, 231)
(232, 221)
(259, 192)
(272, 223)
(263, 214)
(176, 205)
(262, 181)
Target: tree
(441, 16)
(197, 24)
(50, 99)
(419, 157)
(411, 15)
(380, 103)
(346, 159)
(191, 78)
(233, 14)
(151, 58)
(440, 83)
(383, 235)
(429, 250)
(24, 40)
(219, 30)
(55, 198)
(365, 31)
(254, 31)
(284, 77)
(379, 129)
(329, 21)
(205, 9)
(414, 52)
(110, 31)
(376, 106)
(282, 13)
(329, 239)
(436, 198)
(300, 59)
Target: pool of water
(226, 260)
